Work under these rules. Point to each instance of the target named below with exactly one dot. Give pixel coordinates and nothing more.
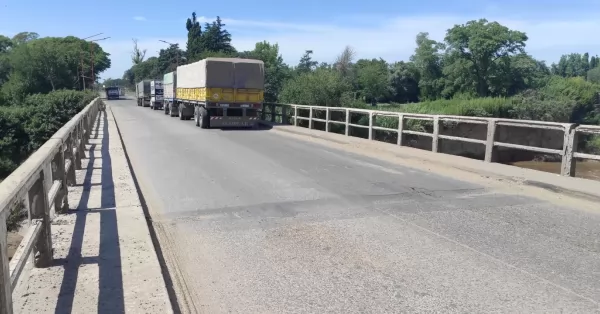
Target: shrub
(26, 127)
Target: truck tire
(166, 108)
(202, 118)
(181, 117)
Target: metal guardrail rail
(40, 184)
(289, 114)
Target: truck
(169, 105)
(222, 92)
(112, 92)
(142, 92)
(156, 95)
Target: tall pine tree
(195, 41)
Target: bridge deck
(253, 221)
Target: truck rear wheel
(181, 117)
(202, 118)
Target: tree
(321, 87)
(194, 41)
(51, 63)
(478, 47)
(148, 69)
(593, 75)
(137, 55)
(306, 63)
(129, 77)
(373, 79)
(343, 62)
(24, 37)
(216, 38)
(170, 58)
(276, 71)
(428, 61)
(404, 82)
(5, 46)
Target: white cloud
(139, 18)
(391, 39)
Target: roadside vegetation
(41, 88)
(481, 68)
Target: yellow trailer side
(224, 95)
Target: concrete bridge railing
(570, 132)
(39, 187)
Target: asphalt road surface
(261, 223)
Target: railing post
(5, 286)
(371, 117)
(347, 122)
(273, 113)
(295, 115)
(400, 129)
(327, 117)
(60, 175)
(435, 138)
(69, 155)
(82, 141)
(77, 140)
(40, 209)
(490, 149)
(570, 141)
(263, 114)
(284, 117)
(310, 118)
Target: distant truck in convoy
(112, 92)
(156, 95)
(142, 91)
(169, 104)
(220, 92)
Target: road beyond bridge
(286, 220)
(259, 221)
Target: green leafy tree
(170, 58)
(5, 45)
(428, 60)
(306, 64)
(373, 80)
(194, 37)
(593, 75)
(478, 47)
(53, 63)
(24, 37)
(321, 87)
(216, 38)
(404, 82)
(276, 71)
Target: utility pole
(83, 77)
(92, 56)
(176, 51)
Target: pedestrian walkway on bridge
(104, 259)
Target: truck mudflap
(232, 121)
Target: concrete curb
(575, 187)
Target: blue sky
(374, 28)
